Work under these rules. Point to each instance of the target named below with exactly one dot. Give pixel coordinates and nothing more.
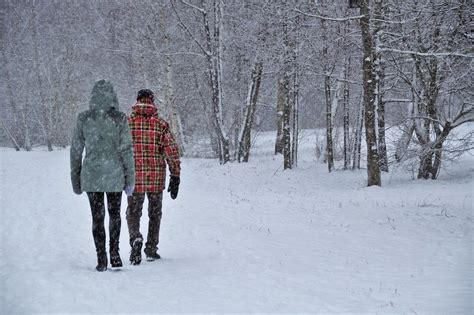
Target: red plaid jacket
(153, 147)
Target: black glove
(77, 188)
(173, 186)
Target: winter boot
(136, 253)
(115, 260)
(151, 254)
(101, 261)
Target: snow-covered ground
(245, 238)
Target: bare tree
(437, 58)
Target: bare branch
(426, 117)
(464, 116)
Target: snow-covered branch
(204, 51)
(328, 18)
(428, 54)
(398, 100)
(194, 7)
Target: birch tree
(249, 112)
(211, 49)
(174, 117)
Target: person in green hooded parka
(108, 166)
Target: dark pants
(96, 201)
(134, 213)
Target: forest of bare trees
(388, 81)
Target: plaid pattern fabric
(153, 147)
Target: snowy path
(244, 238)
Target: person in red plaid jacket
(154, 147)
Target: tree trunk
(438, 148)
(327, 94)
(379, 63)
(373, 170)
(426, 161)
(329, 146)
(281, 94)
(218, 37)
(174, 117)
(345, 104)
(358, 136)
(295, 120)
(287, 134)
(294, 97)
(286, 122)
(26, 128)
(245, 137)
(213, 57)
(288, 98)
(428, 109)
(433, 114)
(382, 146)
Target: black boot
(151, 254)
(101, 261)
(115, 260)
(136, 253)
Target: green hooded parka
(103, 131)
